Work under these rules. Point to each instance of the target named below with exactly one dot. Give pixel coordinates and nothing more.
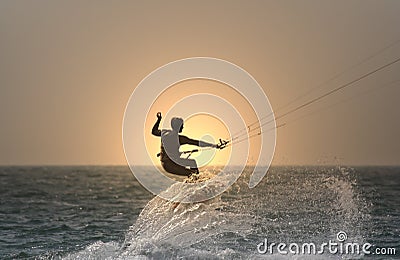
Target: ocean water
(104, 213)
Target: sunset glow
(199, 125)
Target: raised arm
(156, 131)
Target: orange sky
(68, 68)
(199, 125)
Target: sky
(68, 68)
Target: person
(171, 140)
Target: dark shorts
(181, 168)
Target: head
(177, 124)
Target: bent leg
(191, 163)
(177, 169)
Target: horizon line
(126, 165)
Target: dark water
(93, 213)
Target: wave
(291, 204)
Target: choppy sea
(104, 213)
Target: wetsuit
(170, 159)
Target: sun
(199, 125)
